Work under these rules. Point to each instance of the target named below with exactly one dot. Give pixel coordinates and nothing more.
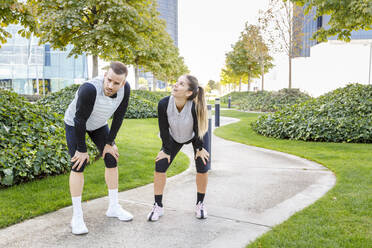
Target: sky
(208, 28)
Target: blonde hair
(198, 96)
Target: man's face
(112, 82)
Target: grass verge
(138, 145)
(341, 218)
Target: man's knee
(81, 170)
(162, 165)
(110, 161)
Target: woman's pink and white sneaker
(201, 211)
(156, 213)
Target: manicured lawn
(138, 145)
(341, 218)
(222, 105)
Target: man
(94, 103)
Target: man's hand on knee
(78, 159)
(113, 150)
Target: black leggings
(163, 165)
(98, 136)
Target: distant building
(169, 12)
(29, 68)
(311, 25)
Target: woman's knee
(162, 165)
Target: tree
(286, 21)
(257, 49)
(170, 67)
(227, 77)
(156, 48)
(212, 84)
(14, 12)
(99, 28)
(241, 63)
(346, 16)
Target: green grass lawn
(341, 218)
(222, 105)
(138, 145)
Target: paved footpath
(250, 190)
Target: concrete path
(250, 190)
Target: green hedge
(32, 141)
(59, 101)
(151, 95)
(266, 101)
(343, 115)
(32, 136)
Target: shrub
(152, 96)
(267, 101)
(32, 141)
(343, 115)
(59, 101)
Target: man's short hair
(119, 68)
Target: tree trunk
(136, 77)
(166, 85)
(240, 84)
(262, 76)
(154, 84)
(249, 82)
(95, 66)
(290, 73)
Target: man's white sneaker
(118, 212)
(201, 211)
(78, 226)
(155, 213)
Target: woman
(182, 120)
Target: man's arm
(119, 114)
(84, 107)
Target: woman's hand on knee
(78, 159)
(162, 155)
(113, 150)
(203, 154)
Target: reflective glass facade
(310, 26)
(168, 10)
(29, 68)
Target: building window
(6, 84)
(47, 55)
(319, 22)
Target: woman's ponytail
(201, 112)
(201, 107)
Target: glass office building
(311, 25)
(30, 68)
(168, 10)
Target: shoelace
(201, 206)
(155, 208)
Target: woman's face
(181, 88)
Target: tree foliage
(285, 21)
(346, 16)
(257, 49)
(158, 52)
(14, 12)
(130, 31)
